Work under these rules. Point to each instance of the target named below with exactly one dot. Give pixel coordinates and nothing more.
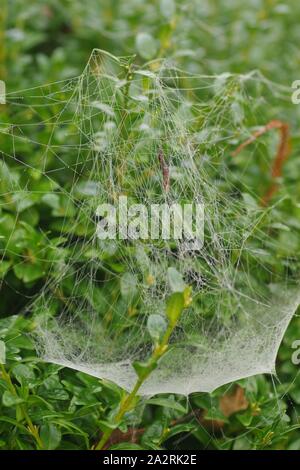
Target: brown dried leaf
(234, 402)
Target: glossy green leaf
(50, 435)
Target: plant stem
(158, 352)
(32, 428)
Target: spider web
(100, 135)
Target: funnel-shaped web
(159, 136)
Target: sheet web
(157, 135)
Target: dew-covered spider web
(157, 135)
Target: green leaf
(52, 200)
(28, 272)
(54, 389)
(156, 326)
(167, 8)
(2, 352)
(295, 394)
(106, 425)
(87, 188)
(127, 446)
(168, 402)
(50, 435)
(14, 422)
(142, 258)
(175, 280)
(250, 202)
(105, 108)
(143, 368)
(146, 45)
(9, 399)
(175, 305)
(245, 418)
(23, 373)
(295, 445)
(181, 428)
(237, 112)
(153, 433)
(242, 443)
(4, 267)
(128, 285)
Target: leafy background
(43, 405)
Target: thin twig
(165, 171)
(283, 152)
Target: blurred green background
(51, 40)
